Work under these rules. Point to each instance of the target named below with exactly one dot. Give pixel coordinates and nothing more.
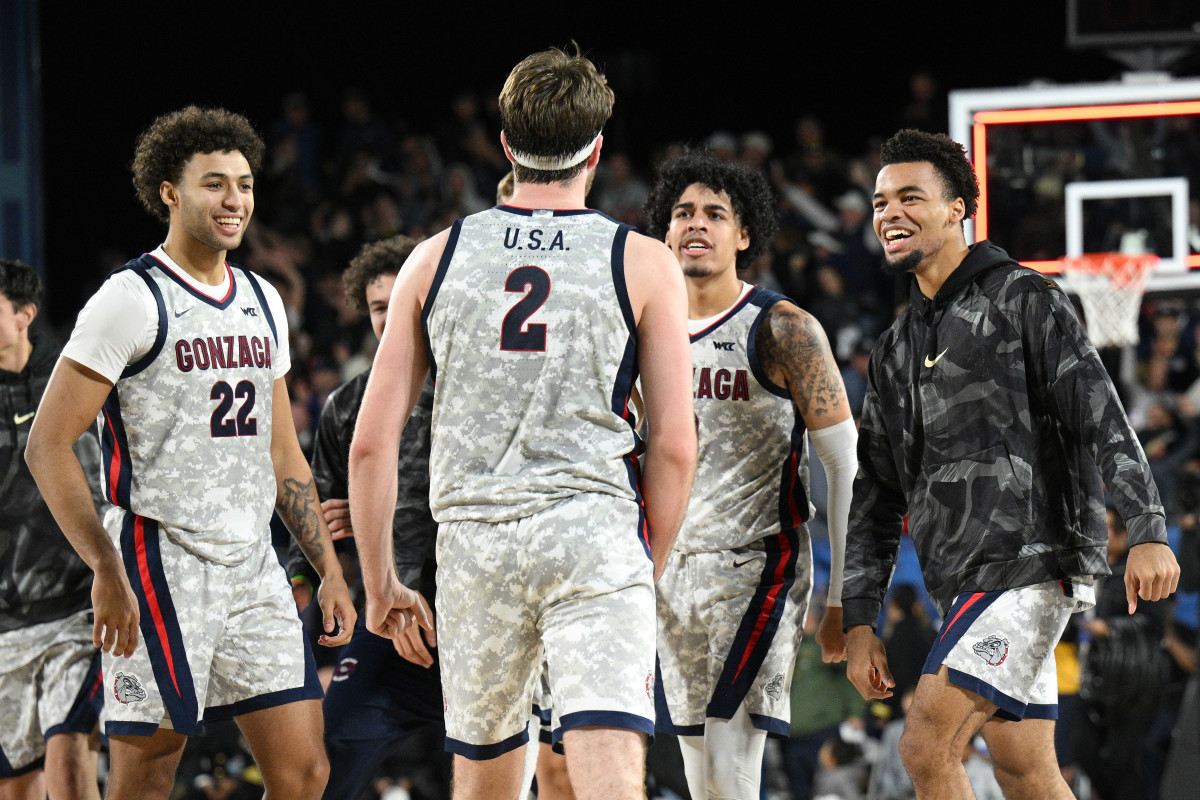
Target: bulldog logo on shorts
(128, 689)
(650, 685)
(993, 650)
(775, 687)
(345, 669)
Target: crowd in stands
(328, 189)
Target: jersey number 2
(241, 425)
(515, 334)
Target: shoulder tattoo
(795, 353)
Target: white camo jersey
(532, 347)
(752, 469)
(186, 430)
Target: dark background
(680, 71)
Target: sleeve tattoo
(795, 354)
(300, 510)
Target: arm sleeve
(836, 447)
(876, 518)
(1066, 371)
(116, 326)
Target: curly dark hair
(19, 283)
(748, 190)
(165, 147)
(384, 257)
(947, 156)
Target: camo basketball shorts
(215, 641)
(50, 685)
(1000, 645)
(729, 623)
(573, 583)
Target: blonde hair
(552, 105)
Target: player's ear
(25, 315)
(958, 210)
(168, 194)
(743, 237)
(504, 144)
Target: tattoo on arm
(795, 354)
(300, 510)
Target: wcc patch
(128, 689)
(993, 650)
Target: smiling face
(213, 200)
(705, 234)
(915, 222)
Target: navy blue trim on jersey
(758, 626)
(766, 300)
(1007, 707)
(556, 212)
(434, 286)
(262, 302)
(545, 716)
(85, 709)
(604, 719)
(160, 337)
(482, 752)
(793, 494)
(775, 727)
(118, 728)
(114, 450)
(7, 771)
(159, 624)
(222, 304)
(310, 690)
(966, 609)
(617, 263)
(738, 306)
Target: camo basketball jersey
(752, 469)
(532, 348)
(186, 430)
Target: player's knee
(303, 777)
(919, 750)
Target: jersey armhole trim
(160, 337)
(430, 297)
(756, 367)
(618, 278)
(262, 302)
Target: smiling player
(182, 356)
(987, 414)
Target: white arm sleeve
(837, 447)
(116, 327)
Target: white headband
(553, 163)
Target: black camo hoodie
(989, 420)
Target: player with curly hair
(733, 597)
(988, 423)
(180, 357)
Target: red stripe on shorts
(160, 625)
(785, 550)
(966, 605)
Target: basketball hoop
(1111, 287)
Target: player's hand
(1151, 573)
(831, 637)
(867, 666)
(115, 608)
(395, 609)
(412, 647)
(337, 610)
(337, 516)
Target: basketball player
(49, 668)
(732, 601)
(534, 319)
(987, 414)
(183, 356)
(379, 694)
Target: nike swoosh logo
(737, 564)
(179, 314)
(21, 418)
(929, 363)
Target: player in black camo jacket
(376, 697)
(987, 414)
(42, 579)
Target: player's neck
(558, 196)
(712, 294)
(14, 359)
(938, 267)
(199, 260)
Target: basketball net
(1111, 286)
